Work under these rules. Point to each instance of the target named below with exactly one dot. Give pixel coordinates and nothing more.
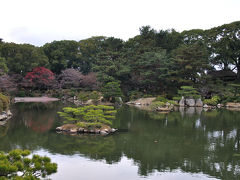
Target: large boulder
(182, 102)
(199, 103)
(190, 102)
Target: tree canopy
(18, 165)
(153, 62)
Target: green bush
(83, 96)
(112, 90)
(172, 102)
(178, 98)
(213, 101)
(160, 98)
(156, 104)
(135, 95)
(147, 95)
(89, 116)
(189, 92)
(4, 102)
(95, 96)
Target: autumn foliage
(41, 78)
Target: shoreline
(43, 99)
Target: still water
(185, 144)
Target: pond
(184, 144)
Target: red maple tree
(41, 77)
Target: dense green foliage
(112, 90)
(17, 165)
(153, 62)
(213, 101)
(188, 92)
(89, 116)
(4, 102)
(85, 96)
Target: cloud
(41, 21)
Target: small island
(95, 119)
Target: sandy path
(34, 99)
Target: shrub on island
(92, 118)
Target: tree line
(153, 62)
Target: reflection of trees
(4, 129)
(206, 142)
(196, 143)
(38, 116)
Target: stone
(182, 102)
(205, 106)
(113, 130)
(168, 104)
(103, 133)
(73, 130)
(9, 113)
(81, 130)
(190, 102)
(199, 103)
(3, 117)
(59, 128)
(163, 109)
(106, 130)
(97, 131)
(92, 131)
(119, 100)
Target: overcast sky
(40, 21)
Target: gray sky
(40, 21)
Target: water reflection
(190, 140)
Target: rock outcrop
(182, 102)
(5, 115)
(199, 103)
(74, 129)
(190, 102)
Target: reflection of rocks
(74, 129)
(199, 110)
(190, 102)
(190, 110)
(181, 110)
